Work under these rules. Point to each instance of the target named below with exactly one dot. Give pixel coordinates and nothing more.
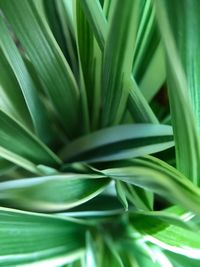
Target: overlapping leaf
(183, 91)
(51, 193)
(168, 236)
(157, 176)
(28, 238)
(15, 139)
(47, 59)
(26, 84)
(11, 100)
(119, 142)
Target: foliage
(99, 133)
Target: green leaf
(97, 20)
(110, 256)
(157, 176)
(43, 240)
(18, 140)
(140, 198)
(47, 59)
(119, 142)
(5, 166)
(51, 193)
(184, 18)
(27, 86)
(91, 62)
(183, 101)
(172, 216)
(149, 56)
(181, 261)
(151, 83)
(90, 260)
(117, 61)
(143, 256)
(84, 40)
(19, 161)
(137, 104)
(121, 194)
(11, 99)
(168, 236)
(102, 207)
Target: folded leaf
(157, 176)
(51, 193)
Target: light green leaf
(30, 94)
(91, 63)
(18, 140)
(149, 56)
(110, 256)
(119, 142)
(157, 176)
(151, 83)
(91, 252)
(168, 236)
(19, 161)
(102, 207)
(51, 193)
(67, 20)
(181, 261)
(5, 166)
(137, 104)
(47, 59)
(121, 194)
(183, 101)
(97, 20)
(140, 198)
(117, 61)
(84, 40)
(11, 99)
(28, 239)
(184, 18)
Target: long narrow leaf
(182, 114)
(11, 99)
(168, 236)
(51, 193)
(46, 58)
(137, 104)
(28, 238)
(159, 177)
(28, 89)
(119, 142)
(15, 138)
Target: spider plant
(99, 133)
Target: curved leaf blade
(186, 133)
(27, 86)
(42, 239)
(47, 59)
(119, 142)
(157, 176)
(51, 193)
(17, 139)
